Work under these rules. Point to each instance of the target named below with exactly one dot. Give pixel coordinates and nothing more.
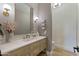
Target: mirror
(23, 18)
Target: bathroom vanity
(24, 47)
(24, 39)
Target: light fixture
(35, 19)
(6, 9)
(55, 5)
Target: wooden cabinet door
(38, 46)
(35, 48)
(23, 51)
(43, 44)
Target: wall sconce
(6, 9)
(35, 19)
(55, 5)
(5, 12)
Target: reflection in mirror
(22, 18)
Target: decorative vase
(2, 39)
(9, 37)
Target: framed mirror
(23, 18)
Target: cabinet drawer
(34, 45)
(23, 51)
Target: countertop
(7, 47)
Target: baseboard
(59, 46)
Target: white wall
(78, 24)
(64, 25)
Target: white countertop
(7, 47)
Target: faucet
(28, 36)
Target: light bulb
(55, 5)
(35, 18)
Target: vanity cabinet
(20, 51)
(32, 49)
(37, 47)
